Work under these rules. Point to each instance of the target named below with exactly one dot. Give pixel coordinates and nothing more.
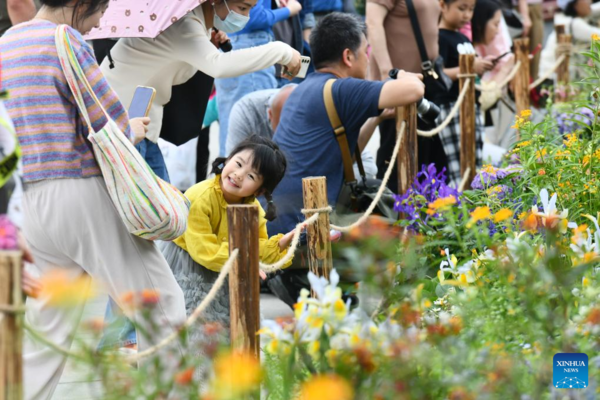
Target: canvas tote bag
(150, 207)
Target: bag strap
(426, 63)
(340, 134)
(73, 73)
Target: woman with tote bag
(70, 221)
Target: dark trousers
(430, 151)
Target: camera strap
(426, 64)
(340, 134)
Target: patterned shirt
(50, 129)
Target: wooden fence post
(11, 329)
(467, 118)
(562, 73)
(244, 284)
(319, 246)
(522, 78)
(408, 163)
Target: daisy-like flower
(550, 216)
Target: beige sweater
(175, 56)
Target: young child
(255, 167)
(455, 15)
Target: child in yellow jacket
(255, 167)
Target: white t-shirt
(175, 56)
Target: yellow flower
(236, 374)
(479, 214)
(595, 37)
(63, 290)
(541, 153)
(502, 215)
(339, 309)
(571, 139)
(323, 387)
(441, 204)
(585, 282)
(525, 113)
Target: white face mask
(234, 22)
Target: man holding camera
(340, 51)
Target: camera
(427, 110)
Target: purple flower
(487, 177)
(427, 187)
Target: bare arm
(404, 90)
(524, 10)
(366, 131)
(375, 16)
(20, 10)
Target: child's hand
(483, 65)
(262, 274)
(286, 240)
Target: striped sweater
(50, 130)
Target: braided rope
(547, 75)
(166, 341)
(506, 80)
(382, 188)
(452, 114)
(268, 268)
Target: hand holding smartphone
(141, 102)
(304, 67)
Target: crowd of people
(272, 132)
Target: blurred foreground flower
(236, 374)
(326, 387)
(8, 234)
(62, 290)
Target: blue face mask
(234, 22)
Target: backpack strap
(340, 134)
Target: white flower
(550, 210)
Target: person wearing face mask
(257, 32)
(177, 54)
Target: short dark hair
(268, 160)
(91, 6)
(334, 34)
(483, 12)
(570, 9)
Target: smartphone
(142, 101)
(495, 60)
(304, 68)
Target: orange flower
(542, 172)
(530, 223)
(502, 215)
(593, 317)
(62, 290)
(326, 387)
(150, 297)
(237, 373)
(184, 377)
(479, 214)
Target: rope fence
(452, 113)
(269, 268)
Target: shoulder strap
(74, 73)
(414, 21)
(340, 134)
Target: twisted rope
(382, 188)
(166, 341)
(464, 179)
(506, 80)
(547, 75)
(268, 268)
(452, 114)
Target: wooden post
(522, 78)
(319, 246)
(408, 163)
(562, 73)
(11, 332)
(467, 118)
(244, 284)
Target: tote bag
(150, 207)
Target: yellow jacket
(207, 237)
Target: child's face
(239, 179)
(583, 8)
(492, 27)
(458, 13)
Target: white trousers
(73, 225)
